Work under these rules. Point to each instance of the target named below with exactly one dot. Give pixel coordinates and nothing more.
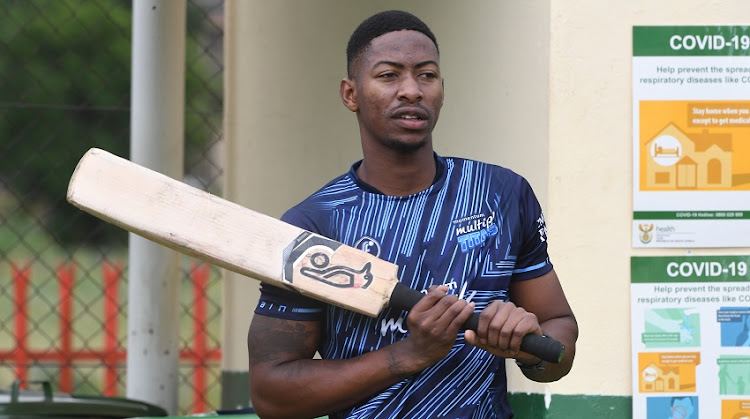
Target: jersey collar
(439, 176)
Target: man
(471, 235)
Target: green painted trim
(525, 406)
(658, 41)
(571, 406)
(235, 394)
(666, 269)
(692, 215)
(235, 390)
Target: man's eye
(387, 75)
(428, 75)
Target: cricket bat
(218, 231)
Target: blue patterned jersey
(476, 229)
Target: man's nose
(410, 90)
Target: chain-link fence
(65, 87)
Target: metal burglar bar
(65, 87)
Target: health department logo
(645, 234)
(369, 245)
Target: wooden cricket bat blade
(205, 226)
(213, 229)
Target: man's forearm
(565, 330)
(316, 387)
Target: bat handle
(545, 348)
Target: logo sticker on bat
(310, 256)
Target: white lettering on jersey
(542, 227)
(392, 326)
(387, 325)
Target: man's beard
(405, 147)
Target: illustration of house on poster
(690, 161)
(691, 136)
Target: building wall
(591, 169)
(542, 87)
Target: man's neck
(399, 174)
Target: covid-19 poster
(690, 324)
(691, 136)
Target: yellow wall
(590, 184)
(542, 87)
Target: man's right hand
(433, 324)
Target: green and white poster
(691, 136)
(690, 325)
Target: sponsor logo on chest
(473, 231)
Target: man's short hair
(381, 24)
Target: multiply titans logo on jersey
(474, 231)
(312, 256)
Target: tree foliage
(64, 88)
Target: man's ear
(442, 100)
(349, 94)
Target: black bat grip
(546, 348)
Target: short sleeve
(283, 303)
(533, 260)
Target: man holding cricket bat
(471, 235)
